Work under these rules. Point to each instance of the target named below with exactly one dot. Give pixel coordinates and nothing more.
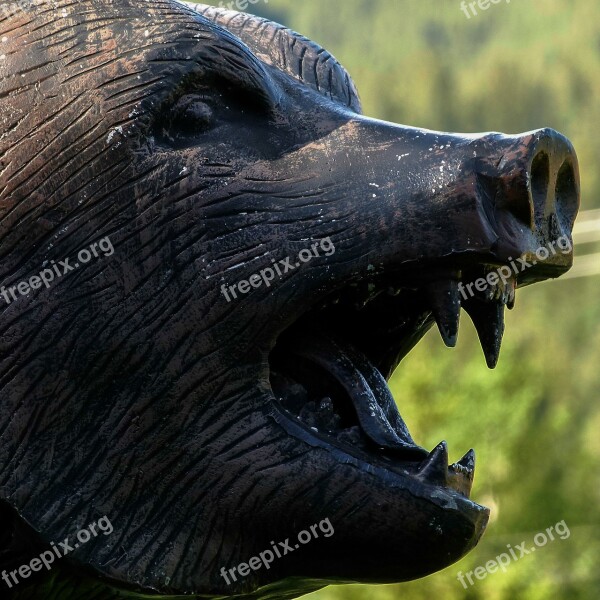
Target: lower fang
(434, 468)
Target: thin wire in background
(586, 231)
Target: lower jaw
(398, 474)
(381, 510)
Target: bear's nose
(535, 179)
(545, 183)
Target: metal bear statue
(210, 263)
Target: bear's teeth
(434, 468)
(444, 301)
(488, 319)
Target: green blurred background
(535, 420)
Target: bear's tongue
(334, 372)
(335, 390)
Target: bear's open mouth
(329, 369)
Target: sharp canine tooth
(444, 300)
(435, 467)
(488, 319)
(462, 472)
(468, 462)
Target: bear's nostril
(567, 194)
(540, 180)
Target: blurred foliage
(535, 420)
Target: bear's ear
(289, 51)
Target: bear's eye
(192, 114)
